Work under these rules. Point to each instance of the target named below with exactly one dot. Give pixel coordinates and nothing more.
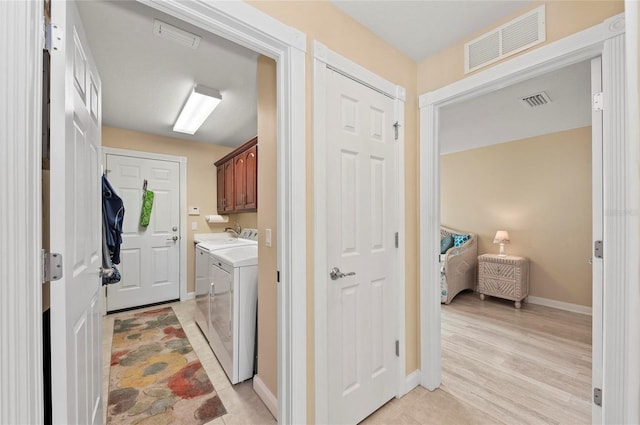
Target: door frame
(324, 59)
(21, 385)
(235, 21)
(243, 24)
(621, 195)
(182, 174)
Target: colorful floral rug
(156, 377)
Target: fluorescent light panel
(201, 103)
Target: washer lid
(237, 256)
(217, 244)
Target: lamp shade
(502, 236)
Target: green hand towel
(147, 204)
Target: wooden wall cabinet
(237, 179)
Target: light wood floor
(501, 365)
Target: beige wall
(539, 190)
(563, 18)
(201, 177)
(267, 219)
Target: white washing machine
(206, 244)
(232, 309)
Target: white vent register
(515, 36)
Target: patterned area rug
(156, 377)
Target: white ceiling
(420, 28)
(500, 116)
(146, 79)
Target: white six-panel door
(76, 337)
(361, 321)
(150, 256)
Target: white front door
(76, 223)
(361, 317)
(149, 256)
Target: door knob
(175, 238)
(336, 274)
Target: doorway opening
(285, 47)
(527, 171)
(607, 40)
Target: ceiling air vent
(535, 100)
(180, 36)
(513, 37)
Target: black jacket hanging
(113, 217)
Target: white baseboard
(412, 381)
(189, 296)
(266, 396)
(575, 308)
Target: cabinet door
(229, 188)
(239, 171)
(251, 179)
(220, 188)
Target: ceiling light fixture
(200, 104)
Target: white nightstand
(504, 277)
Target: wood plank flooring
(501, 365)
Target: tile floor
(242, 404)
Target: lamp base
(501, 253)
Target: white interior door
(76, 337)
(361, 317)
(597, 235)
(149, 256)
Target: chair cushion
(446, 243)
(459, 240)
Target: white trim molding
(266, 395)
(412, 380)
(632, 45)
(620, 205)
(560, 305)
(182, 163)
(21, 376)
(325, 59)
(620, 253)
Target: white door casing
(21, 379)
(76, 223)
(620, 200)
(150, 257)
(361, 331)
(596, 235)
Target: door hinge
(597, 249)
(397, 240)
(598, 101)
(278, 276)
(397, 348)
(597, 396)
(396, 126)
(52, 37)
(51, 266)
